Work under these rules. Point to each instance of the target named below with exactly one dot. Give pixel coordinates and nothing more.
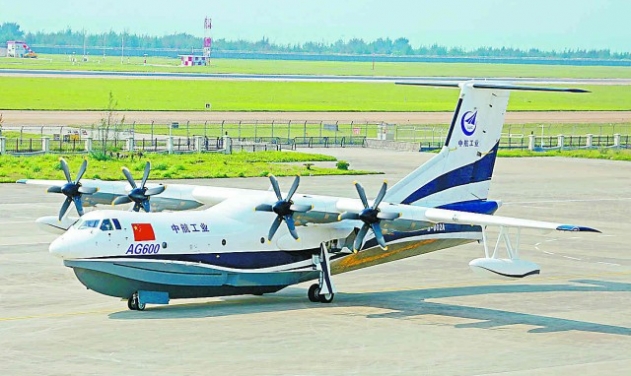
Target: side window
(106, 225)
(117, 224)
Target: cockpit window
(117, 224)
(89, 223)
(106, 225)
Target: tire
(314, 293)
(132, 302)
(326, 298)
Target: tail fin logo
(467, 123)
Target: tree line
(381, 46)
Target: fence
(192, 136)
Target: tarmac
(428, 315)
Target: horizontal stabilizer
(492, 85)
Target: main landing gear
(134, 304)
(315, 296)
(324, 290)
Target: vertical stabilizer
(459, 176)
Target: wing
(457, 217)
(409, 218)
(174, 197)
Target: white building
(19, 49)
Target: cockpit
(107, 224)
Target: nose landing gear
(134, 304)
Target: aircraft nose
(57, 247)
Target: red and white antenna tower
(208, 40)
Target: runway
(425, 315)
(293, 77)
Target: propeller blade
(362, 194)
(155, 191)
(130, 179)
(136, 207)
(64, 207)
(359, 239)
(300, 208)
(274, 182)
(87, 190)
(78, 205)
(264, 207)
(380, 195)
(64, 167)
(291, 226)
(388, 216)
(121, 200)
(348, 215)
(146, 174)
(54, 189)
(293, 188)
(146, 205)
(274, 228)
(376, 229)
(82, 169)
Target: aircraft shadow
(402, 305)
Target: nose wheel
(134, 304)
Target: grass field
(136, 64)
(27, 93)
(186, 166)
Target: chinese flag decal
(143, 232)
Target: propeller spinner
(371, 216)
(284, 208)
(72, 189)
(139, 195)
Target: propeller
(371, 216)
(139, 195)
(72, 189)
(284, 208)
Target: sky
(524, 24)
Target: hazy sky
(544, 24)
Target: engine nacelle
(509, 268)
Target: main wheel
(314, 293)
(326, 298)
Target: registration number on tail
(143, 249)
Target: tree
(10, 31)
(109, 121)
(401, 47)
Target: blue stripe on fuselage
(266, 259)
(475, 172)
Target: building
(19, 49)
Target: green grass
(190, 166)
(610, 154)
(27, 93)
(244, 66)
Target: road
(34, 118)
